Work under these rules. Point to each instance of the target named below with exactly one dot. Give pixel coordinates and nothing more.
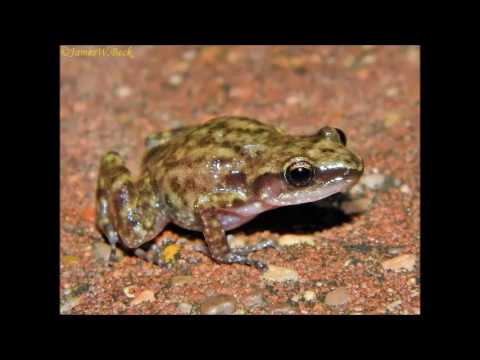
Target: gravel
(181, 280)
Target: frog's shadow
(295, 219)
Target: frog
(216, 176)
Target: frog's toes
(232, 258)
(269, 243)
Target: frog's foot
(245, 250)
(233, 258)
(218, 246)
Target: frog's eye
(299, 174)
(333, 134)
(343, 137)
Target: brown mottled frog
(215, 177)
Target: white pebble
(124, 91)
(185, 308)
(399, 263)
(291, 239)
(280, 274)
(373, 181)
(309, 296)
(175, 79)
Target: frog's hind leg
(126, 211)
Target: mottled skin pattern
(215, 177)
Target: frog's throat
(301, 196)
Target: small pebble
(255, 300)
(235, 241)
(175, 80)
(295, 298)
(189, 55)
(282, 309)
(70, 260)
(392, 92)
(399, 263)
(79, 106)
(145, 295)
(181, 280)
(101, 251)
(405, 189)
(309, 296)
(337, 297)
(218, 305)
(318, 309)
(185, 308)
(240, 92)
(69, 304)
(394, 305)
(392, 118)
(280, 274)
(395, 250)
(130, 291)
(291, 239)
(170, 252)
(88, 214)
(373, 181)
(369, 59)
(123, 91)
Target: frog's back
(223, 137)
(215, 156)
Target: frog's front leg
(216, 240)
(126, 211)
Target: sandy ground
(361, 257)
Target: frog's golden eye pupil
(343, 137)
(299, 174)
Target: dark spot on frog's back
(190, 184)
(235, 180)
(175, 184)
(328, 151)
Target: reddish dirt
(371, 92)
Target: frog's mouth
(342, 182)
